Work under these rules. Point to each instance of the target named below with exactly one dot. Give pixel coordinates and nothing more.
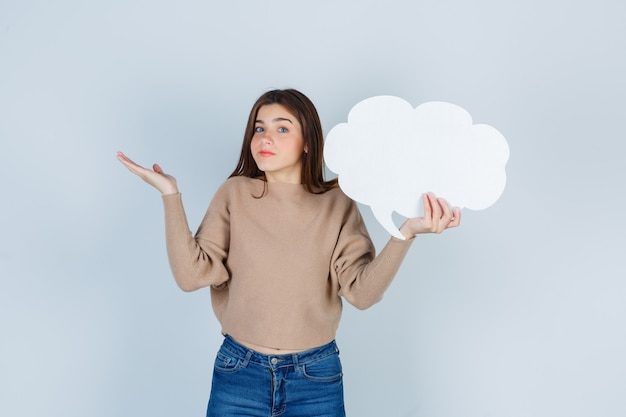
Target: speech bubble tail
(385, 219)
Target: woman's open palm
(163, 182)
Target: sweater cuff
(403, 241)
(397, 248)
(169, 199)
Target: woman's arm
(195, 263)
(363, 277)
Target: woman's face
(277, 144)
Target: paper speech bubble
(388, 154)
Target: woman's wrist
(169, 190)
(406, 232)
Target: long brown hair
(312, 162)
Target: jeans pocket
(226, 362)
(326, 369)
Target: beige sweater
(279, 264)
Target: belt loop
(296, 364)
(246, 360)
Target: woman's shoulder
(338, 197)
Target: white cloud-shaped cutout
(388, 154)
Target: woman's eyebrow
(277, 119)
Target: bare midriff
(268, 350)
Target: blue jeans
(303, 384)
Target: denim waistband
(275, 361)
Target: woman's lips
(266, 153)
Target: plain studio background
(520, 312)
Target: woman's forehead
(275, 112)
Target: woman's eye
(258, 129)
(283, 130)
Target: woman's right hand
(163, 182)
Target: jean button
(274, 361)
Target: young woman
(280, 247)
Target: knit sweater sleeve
(197, 261)
(362, 276)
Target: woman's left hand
(437, 217)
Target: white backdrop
(520, 312)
